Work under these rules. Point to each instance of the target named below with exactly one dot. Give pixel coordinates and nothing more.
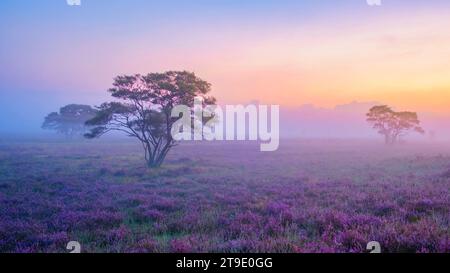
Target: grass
(310, 196)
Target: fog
(22, 113)
(349, 121)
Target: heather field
(309, 196)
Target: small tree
(392, 125)
(145, 108)
(70, 120)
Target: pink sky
(291, 54)
(390, 56)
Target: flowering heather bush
(310, 196)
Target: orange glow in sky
(399, 56)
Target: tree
(393, 125)
(144, 109)
(70, 120)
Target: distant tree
(393, 125)
(145, 108)
(70, 120)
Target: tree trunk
(153, 165)
(154, 156)
(155, 160)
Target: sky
(319, 52)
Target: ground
(310, 196)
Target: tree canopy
(393, 125)
(70, 120)
(144, 109)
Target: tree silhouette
(144, 109)
(393, 125)
(70, 120)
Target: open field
(310, 196)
